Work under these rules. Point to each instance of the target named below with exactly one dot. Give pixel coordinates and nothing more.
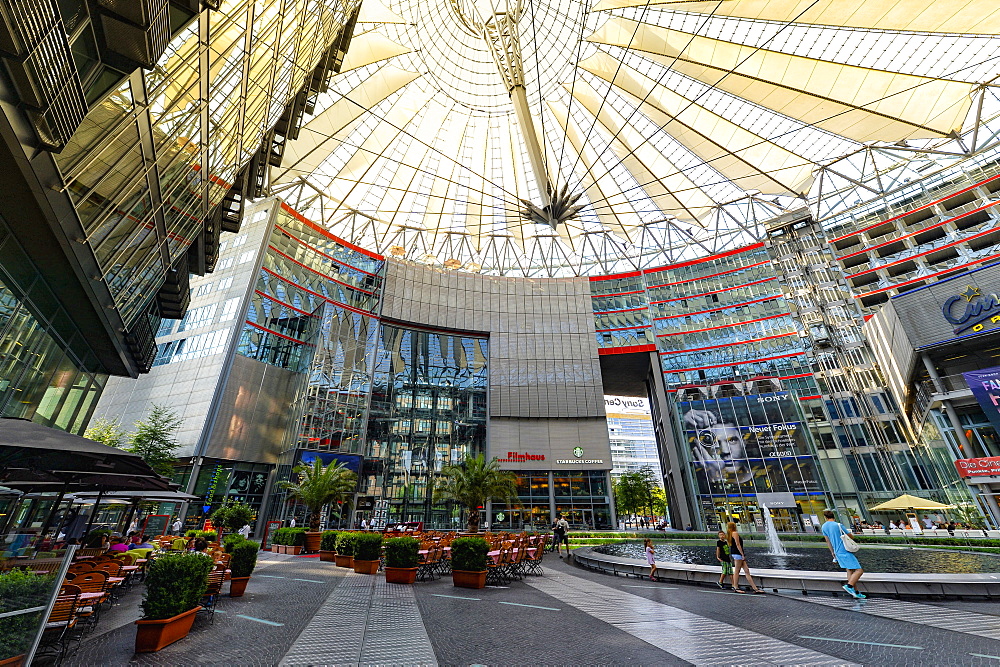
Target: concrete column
(949, 409)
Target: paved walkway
(300, 611)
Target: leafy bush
(469, 554)
(231, 540)
(95, 537)
(21, 590)
(345, 544)
(279, 536)
(244, 558)
(368, 546)
(328, 541)
(208, 535)
(402, 552)
(192, 533)
(233, 515)
(297, 537)
(175, 584)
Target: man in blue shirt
(834, 533)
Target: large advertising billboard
(748, 444)
(985, 386)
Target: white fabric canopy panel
(665, 128)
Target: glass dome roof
(560, 137)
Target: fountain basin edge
(881, 583)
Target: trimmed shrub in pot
(279, 539)
(241, 566)
(345, 550)
(401, 560)
(367, 552)
(296, 541)
(175, 584)
(231, 540)
(328, 546)
(468, 562)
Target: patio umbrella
(36, 458)
(908, 502)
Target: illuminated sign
(579, 461)
(983, 466)
(517, 457)
(972, 311)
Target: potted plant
(233, 516)
(401, 559)
(295, 541)
(317, 487)
(468, 562)
(367, 552)
(21, 590)
(328, 546)
(175, 584)
(241, 566)
(345, 550)
(278, 540)
(231, 540)
(474, 483)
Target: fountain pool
(813, 556)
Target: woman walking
(651, 559)
(739, 559)
(722, 555)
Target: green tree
(970, 515)
(106, 431)
(635, 493)
(320, 485)
(154, 439)
(233, 515)
(474, 483)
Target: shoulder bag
(848, 541)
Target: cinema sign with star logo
(972, 311)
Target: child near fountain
(722, 555)
(651, 559)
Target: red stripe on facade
(318, 295)
(713, 310)
(320, 252)
(919, 231)
(320, 273)
(709, 258)
(919, 208)
(806, 398)
(280, 335)
(597, 296)
(714, 275)
(623, 310)
(723, 326)
(615, 276)
(741, 363)
(637, 326)
(930, 275)
(926, 252)
(628, 349)
(718, 291)
(780, 377)
(741, 342)
(316, 228)
(286, 305)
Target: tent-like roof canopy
(906, 501)
(564, 136)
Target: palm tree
(474, 483)
(318, 486)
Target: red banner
(984, 466)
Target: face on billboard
(722, 451)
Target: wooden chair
(213, 592)
(62, 626)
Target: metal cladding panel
(550, 444)
(920, 311)
(543, 361)
(254, 412)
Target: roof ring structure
(564, 137)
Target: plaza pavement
(300, 611)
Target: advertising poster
(748, 444)
(985, 386)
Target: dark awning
(36, 458)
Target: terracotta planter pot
(328, 556)
(153, 635)
(237, 586)
(312, 542)
(278, 548)
(292, 551)
(344, 561)
(467, 579)
(400, 575)
(365, 566)
(15, 661)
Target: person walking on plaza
(650, 558)
(834, 533)
(739, 559)
(722, 555)
(561, 529)
(176, 528)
